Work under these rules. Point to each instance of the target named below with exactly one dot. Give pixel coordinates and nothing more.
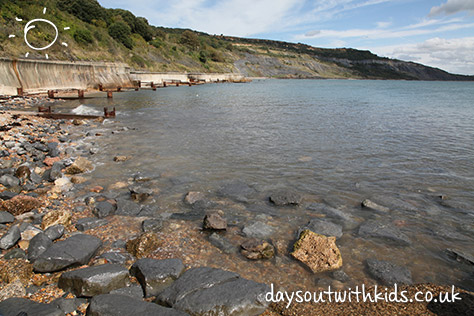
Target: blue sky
(437, 33)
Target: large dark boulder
(38, 245)
(15, 306)
(104, 208)
(94, 280)
(123, 305)
(74, 251)
(388, 273)
(156, 275)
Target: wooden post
(80, 94)
(153, 86)
(177, 84)
(164, 84)
(19, 91)
(139, 83)
(109, 95)
(101, 87)
(119, 88)
(51, 94)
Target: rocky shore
(72, 247)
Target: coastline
(177, 238)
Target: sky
(437, 33)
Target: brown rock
(78, 122)
(143, 245)
(318, 252)
(81, 165)
(24, 244)
(78, 179)
(49, 161)
(118, 185)
(193, 196)
(57, 217)
(255, 249)
(20, 204)
(23, 172)
(16, 269)
(14, 289)
(121, 158)
(215, 220)
(97, 189)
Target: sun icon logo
(32, 25)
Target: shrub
(190, 39)
(83, 36)
(120, 31)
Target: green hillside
(99, 34)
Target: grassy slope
(164, 49)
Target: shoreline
(177, 238)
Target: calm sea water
(334, 141)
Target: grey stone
(6, 217)
(375, 229)
(340, 275)
(258, 230)
(156, 275)
(118, 305)
(15, 306)
(87, 223)
(388, 272)
(116, 257)
(152, 225)
(104, 208)
(9, 181)
(207, 291)
(95, 280)
(331, 212)
(374, 206)
(38, 245)
(214, 220)
(74, 251)
(55, 171)
(140, 193)
(35, 178)
(222, 243)
(128, 208)
(460, 256)
(10, 238)
(41, 147)
(285, 198)
(236, 190)
(68, 305)
(6, 195)
(322, 227)
(15, 253)
(135, 291)
(55, 232)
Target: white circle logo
(29, 27)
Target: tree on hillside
(190, 39)
(121, 32)
(86, 10)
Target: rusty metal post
(139, 83)
(101, 87)
(51, 94)
(109, 95)
(153, 86)
(19, 91)
(177, 84)
(164, 84)
(119, 88)
(80, 94)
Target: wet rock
(376, 229)
(318, 252)
(121, 158)
(16, 269)
(28, 232)
(193, 197)
(156, 275)
(153, 225)
(56, 171)
(322, 227)
(20, 204)
(78, 179)
(10, 238)
(23, 172)
(134, 291)
(258, 230)
(255, 249)
(15, 253)
(62, 185)
(332, 212)
(6, 218)
(139, 193)
(143, 245)
(7, 195)
(448, 233)
(74, 251)
(9, 181)
(340, 275)
(80, 165)
(54, 232)
(222, 243)
(237, 190)
(57, 217)
(68, 306)
(104, 208)
(285, 198)
(17, 306)
(388, 272)
(374, 206)
(37, 246)
(208, 291)
(214, 220)
(460, 256)
(96, 280)
(116, 257)
(128, 208)
(116, 304)
(87, 223)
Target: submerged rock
(128, 208)
(285, 198)
(388, 272)
(222, 243)
(258, 230)
(374, 206)
(376, 229)
(460, 256)
(214, 220)
(80, 165)
(193, 197)
(74, 251)
(255, 249)
(104, 208)
(94, 280)
(156, 275)
(322, 227)
(318, 252)
(143, 245)
(153, 225)
(237, 190)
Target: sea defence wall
(40, 76)
(36, 76)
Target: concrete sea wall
(38, 76)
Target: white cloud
(452, 55)
(452, 7)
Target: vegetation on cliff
(98, 34)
